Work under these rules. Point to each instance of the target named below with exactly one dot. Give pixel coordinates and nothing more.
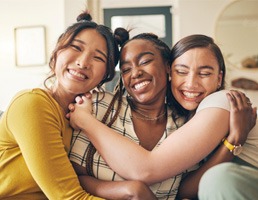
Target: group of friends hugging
(169, 130)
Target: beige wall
(189, 17)
(55, 15)
(200, 16)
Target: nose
(136, 72)
(191, 81)
(83, 61)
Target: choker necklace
(146, 117)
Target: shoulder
(32, 95)
(33, 100)
(215, 100)
(34, 105)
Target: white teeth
(191, 95)
(75, 73)
(140, 85)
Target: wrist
(236, 149)
(236, 138)
(232, 139)
(88, 122)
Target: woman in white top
(193, 78)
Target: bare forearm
(107, 190)
(133, 162)
(116, 189)
(155, 166)
(115, 147)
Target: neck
(148, 112)
(62, 99)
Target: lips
(140, 85)
(77, 74)
(191, 95)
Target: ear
(220, 79)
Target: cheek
(162, 79)
(61, 61)
(174, 88)
(175, 77)
(58, 66)
(99, 73)
(125, 80)
(211, 86)
(175, 82)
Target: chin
(190, 107)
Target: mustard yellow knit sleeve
(37, 124)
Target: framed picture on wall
(30, 46)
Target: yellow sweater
(34, 142)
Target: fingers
(68, 115)
(239, 100)
(231, 99)
(249, 102)
(239, 97)
(242, 116)
(79, 100)
(71, 107)
(88, 95)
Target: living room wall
(54, 15)
(189, 17)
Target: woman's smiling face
(194, 75)
(144, 71)
(82, 65)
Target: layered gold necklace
(148, 118)
(144, 116)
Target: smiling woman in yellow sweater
(35, 136)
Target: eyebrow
(82, 42)
(122, 62)
(144, 53)
(200, 67)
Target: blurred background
(30, 28)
